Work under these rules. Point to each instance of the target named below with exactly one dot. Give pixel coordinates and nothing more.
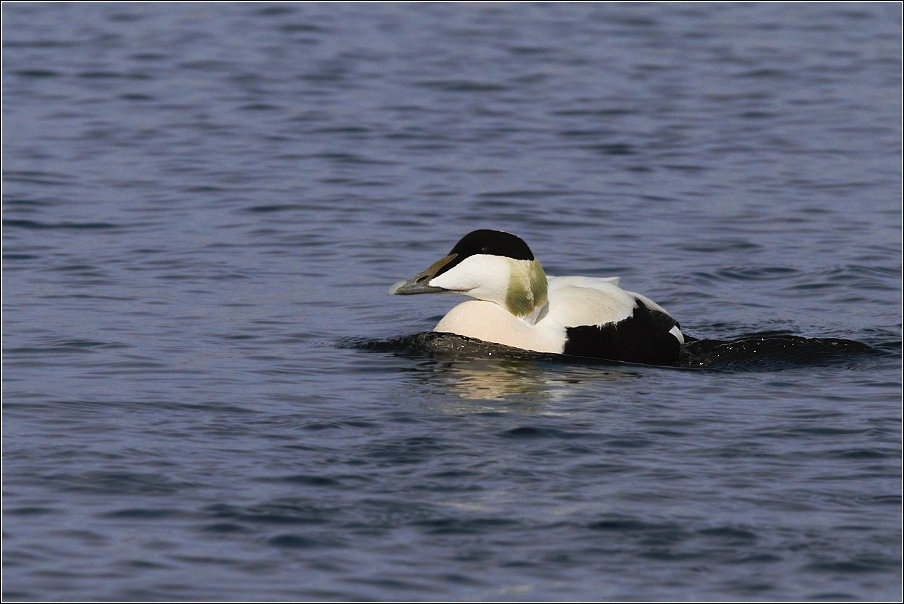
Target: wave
(751, 352)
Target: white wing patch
(677, 333)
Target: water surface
(203, 207)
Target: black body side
(641, 338)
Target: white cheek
(480, 276)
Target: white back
(576, 301)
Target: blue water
(207, 394)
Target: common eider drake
(516, 304)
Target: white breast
(490, 322)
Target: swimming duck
(516, 304)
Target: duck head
(487, 265)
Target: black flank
(641, 338)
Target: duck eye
(485, 249)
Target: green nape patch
(527, 288)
